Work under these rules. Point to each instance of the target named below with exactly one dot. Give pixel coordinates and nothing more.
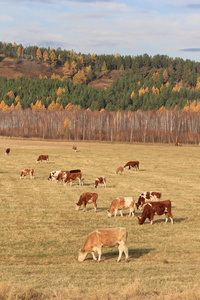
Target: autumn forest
(154, 99)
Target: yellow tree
(39, 54)
(45, 56)
(67, 70)
(53, 58)
(79, 77)
(18, 106)
(74, 67)
(104, 68)
(19, 52)
(165, 75)
(93, 59)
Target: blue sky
(168, 27)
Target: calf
(101, 180)
(178, 144)
(105, 238)
(147, 197)
(53, 175)
(74, 148)
(7, 151)
(73, 176)
(120, 170)
(133, 164)
(27, 172)
(159, 208)
(121, 203)
(86, 198)
(42, 157)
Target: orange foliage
(132, 95)
(38, 106)
(155, 90)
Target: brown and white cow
(100, 180)
(159, 208)
(42, 158)
(27, 172)
(178, 144)
(87, 198)
(105, 238)
(53, 175)
(120, 170)
(63, 174)
(74, 148)
(132, 164)
(147, 197)
(120, 204)
(73, 176)
(7, 151)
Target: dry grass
(40, 231)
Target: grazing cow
(133, 164)
(63, 174)
(101, 180)
(74, 148)
(178, 144)
(27, 172)
(147, 197)
(159, 208)
(120, 170)
(105, 238)
(42, 157)
(121, 203)
(7, 151)
(53, 175)
(73, 176)
(86, 198)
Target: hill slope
(10, 69)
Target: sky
(165, 27)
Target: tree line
(164, 126)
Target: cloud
(193, 6)
(190, 50)
(5, 18)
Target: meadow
(41, 232)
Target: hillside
(10, 69)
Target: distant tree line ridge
(148, 83)
(163, 126)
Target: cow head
(109, 214)
(82, 255)
(141, 220)
(77, 206)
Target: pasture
(41, 232)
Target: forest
(156, 99)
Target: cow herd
(148, 201)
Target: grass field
(41, 232)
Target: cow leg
(121, 213)
(93, 255)
(84, 206)
(131, 212)
(70, 183)
(121, 248)
(95, 207)
(172, 221)
(116, 212)
(126, 252)
(99, 253)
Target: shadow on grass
(177, 220)
(132, 253)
